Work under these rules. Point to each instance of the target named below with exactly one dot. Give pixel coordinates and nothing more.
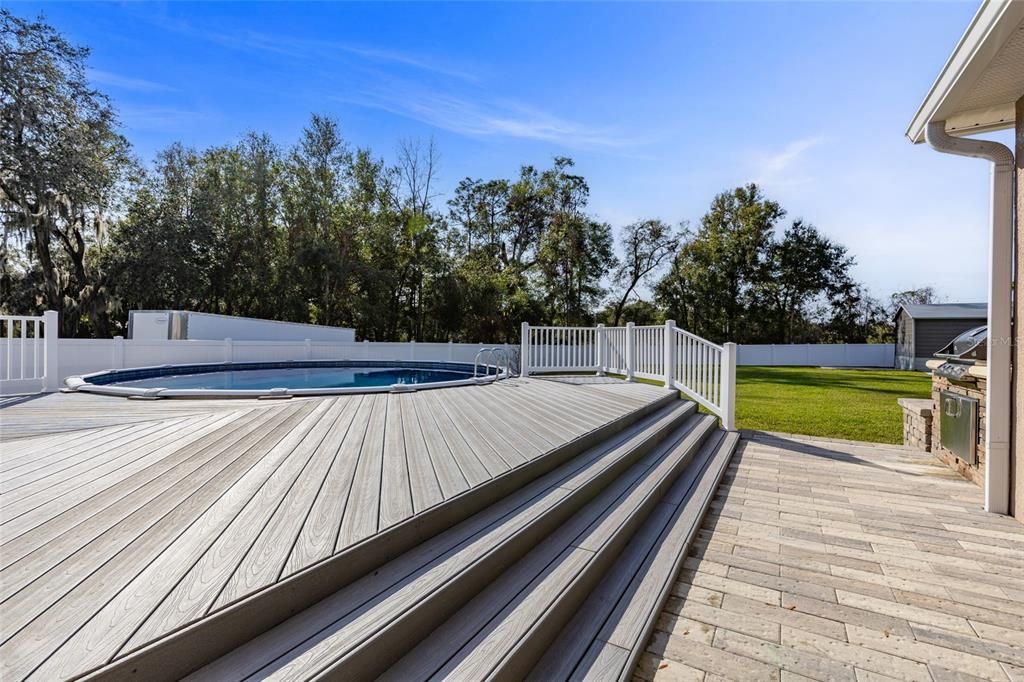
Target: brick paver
(835, 560)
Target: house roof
(947, 311)
(977, 88)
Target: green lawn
(857, 404)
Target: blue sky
(661, 105)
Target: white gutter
(989, 30)
(1000, 296)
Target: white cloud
(484, 118)
(782, 167)
(126, 82)
(163, 118)
(320, 50)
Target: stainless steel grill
(963, 352)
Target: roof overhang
(983, 78)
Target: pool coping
(84, 383)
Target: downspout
(1000, 296)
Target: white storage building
(188, 325)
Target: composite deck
(125, 520)
(844, 561)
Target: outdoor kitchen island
(959, 383)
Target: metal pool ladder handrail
(496, 354)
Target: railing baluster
(35, 349)
(10, 348)
(21, 344)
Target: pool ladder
(496, 355)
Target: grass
(855, 404)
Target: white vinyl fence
(28, 353)
(704, 371)
(819, 354)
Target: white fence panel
(560, 349)
(616, 348)
(27, 353)
(649, 351)
(819, 354)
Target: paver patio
(831, 560)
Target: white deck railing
(28, 346)
(704, 371)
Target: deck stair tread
(372, 620)
(606, 636)
(502, 631)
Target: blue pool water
(299, 377)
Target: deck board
(78, 599)
(472, 463)
(395, 486)
(101, 504)
(266, 558)
(319, 534)
(424, 484)
(124, 519)
(363, 511)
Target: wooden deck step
(368, 625)
(384, 605)
(502, 632)
(606, 637)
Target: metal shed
(923, 329)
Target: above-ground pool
(255, 379)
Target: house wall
(1017, 356)
(931, 336)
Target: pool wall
(100, 382)
(82, 357)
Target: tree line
(327, 232)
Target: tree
(575, 251)
(799, 268)
(853, 315)
(321, 244)
(155, 257)
(62, 164)
(646, 245)
(922, 295)
(709, 285)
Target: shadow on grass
(897, 386)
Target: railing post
(599, 351)
(50, 352)
(729, 386)
(670, 353)
(308, 348)
(630, 351)
(524, 350)
(229, 351)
